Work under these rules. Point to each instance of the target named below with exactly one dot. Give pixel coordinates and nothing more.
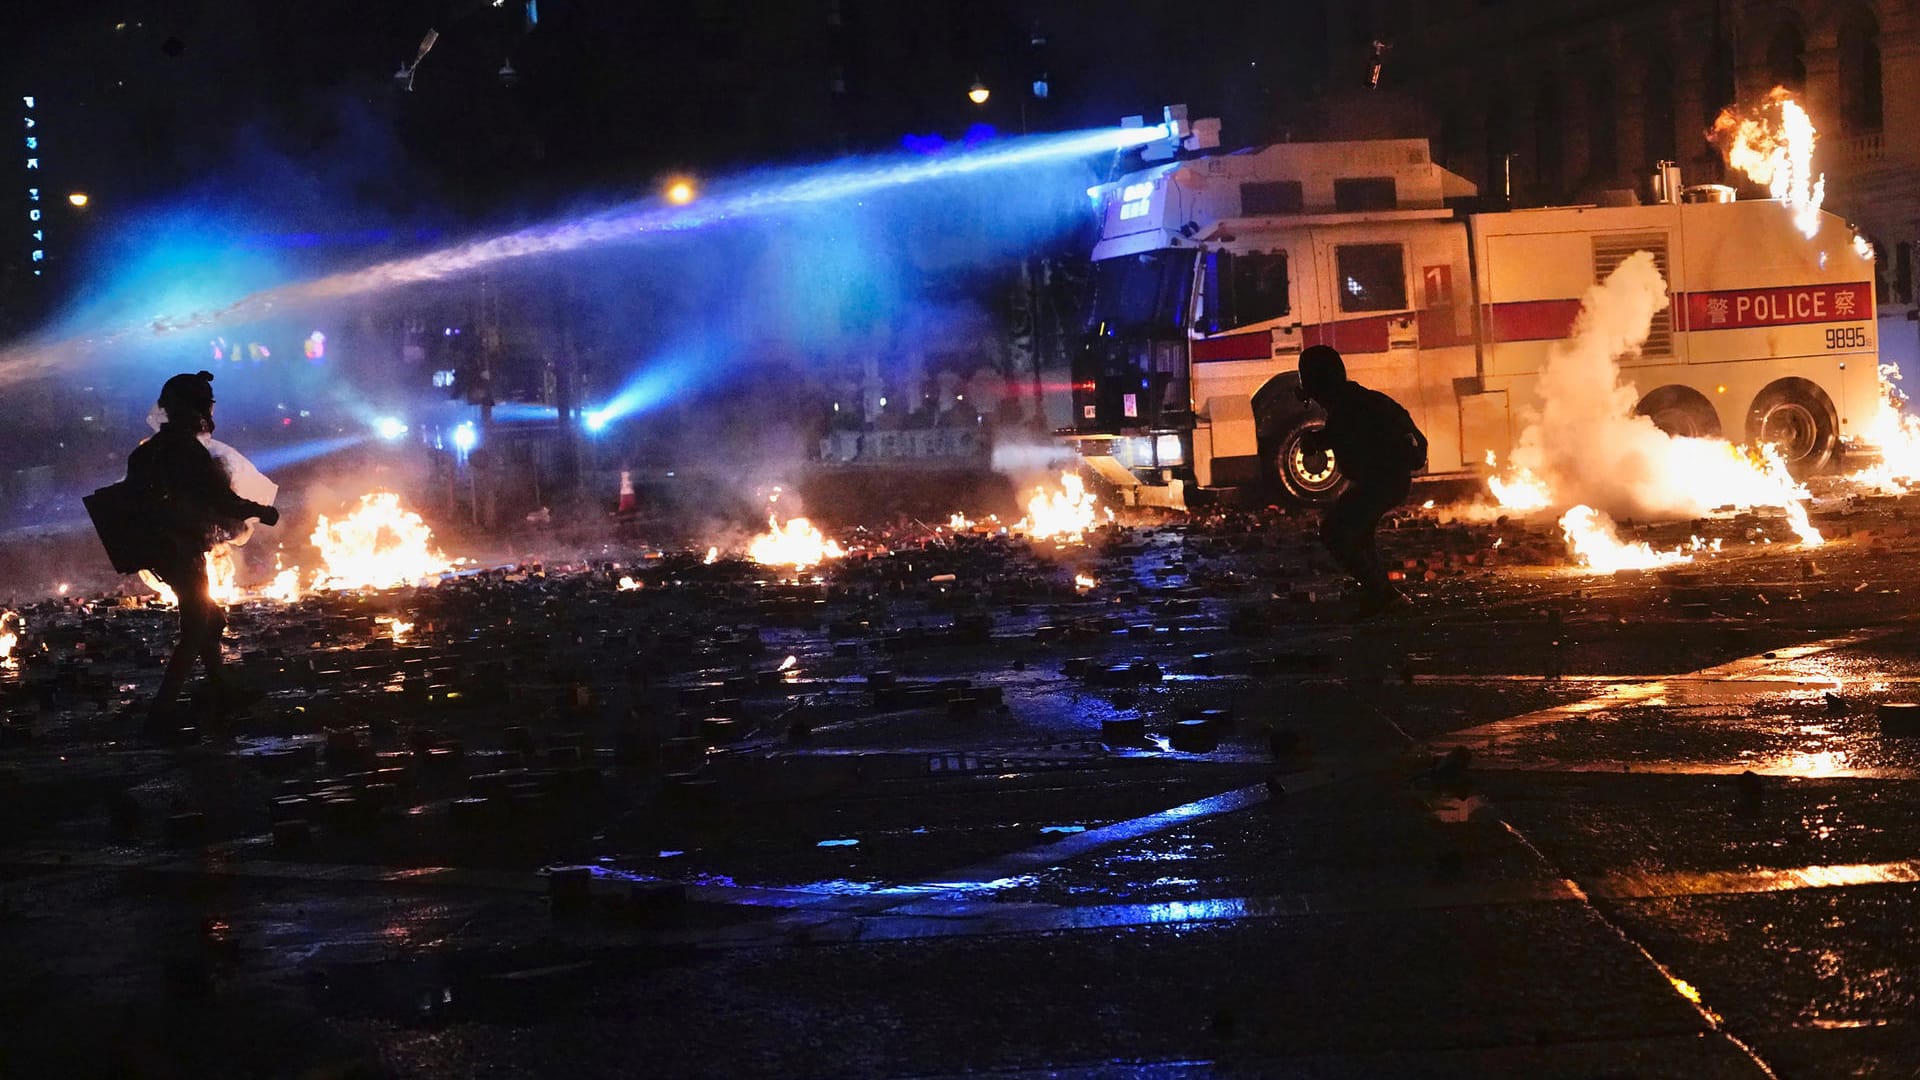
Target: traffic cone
(628, 503)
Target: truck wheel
(1681, 411)
(1310, 479)
(1796, 418)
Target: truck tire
(1299, 477)
(1798, 419)
(1681, 411)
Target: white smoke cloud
(1587, 445)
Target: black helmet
(1321, 370)
(193, 393)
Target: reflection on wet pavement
(1316, 878)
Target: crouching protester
(1378, 448)
(191, 507)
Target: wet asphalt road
(1543, 824)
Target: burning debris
(10, 626)
(285, 586)
(796, 544)
(378, 546)
(1518, 490)
(1594, 544)
(1897, 434)
(1773, 146)
(1063, 516)
(222, 579)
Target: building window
(1358, 193)
(1787, 58)
(1371, 277)
(1860, 100)
(1272, 197)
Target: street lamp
(78, 198)
(680, 191)
(978, 92)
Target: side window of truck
(1371, 277)
(1244, 289)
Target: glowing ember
(1064, 515)
(713, 556)
(62, 589)
(959, 523)
(797, 544)
(1594, 543)
(1774, 146)
(399, 629)
(10, 627)
(1083, 582)
(626, 584)
(378, 546)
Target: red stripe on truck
(1530, 320)
(1254, 346)
(1552, 320)
(1439, 329)
(1368, 335)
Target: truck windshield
(1146, 292)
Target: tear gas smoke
(1587, 446)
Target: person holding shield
(189, 495)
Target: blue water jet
(739, 201)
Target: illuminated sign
(36, 249)
(1135, 200)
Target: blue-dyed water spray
(633, 222)
(280, 457)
